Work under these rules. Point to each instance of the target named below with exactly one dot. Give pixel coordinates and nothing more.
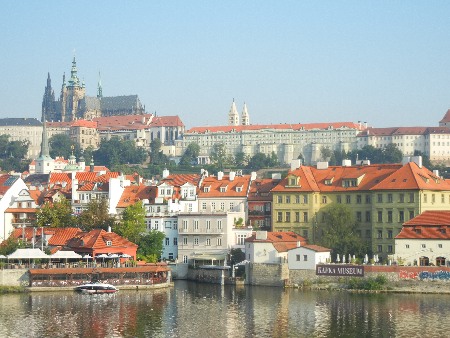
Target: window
(222, 206)
(305, 233)
(231, 205)
(390, 233)
(280, 199)
(219, 224)
(213, 205)
(411, 214)
(411, 198)
(175, 241)
(433, 198)
(204, 205)
(171, 255)
(379, 233)
(175, 225)
(185, 224)
(297, 216)
(389, 249)
(442, 198)
(298, 258)
(368, 199)
(168, 224)
(305, 199)
(368, 216)
(390, 198)
(305, 216)
(288, 199)
(185, 259)
(305, 258)
(402, 198)
(108, 243)
(167, 241)
(380, 198)
(297, 199)
(156, 225)
(359, 216)
(440, 246)
(379, 248)
(390, 216)
(279, 216)
(288, 216)
(368, 233)
(324, 199)
(196, 240)
(423, 246)
(407, 246)
(185, 241)
(195, 224)
(380, 216)
(339, 199)
(358, 199)
(425, 198)
(401, 216)
(208, 225)
(208, 242)
(348, 199)
(219, 241)
(240, 239)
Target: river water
(205, 310)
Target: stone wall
(14, 277)
(214, 276)
(266, 274)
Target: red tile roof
(241, 182)
(428, 225)
(136, 122)
(133, 194)
(397, 131)
(316, 248)
(286, 126)
(97, 239)
(177, 180)
(283, 239)
(446, 117)
(84, 123)
(59, 236)
(306, 183)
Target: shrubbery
(370, 283)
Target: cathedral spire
(233, 116)
(245, 118)
(45, 150)
(74, 81)
(99, 87)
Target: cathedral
(74, 104)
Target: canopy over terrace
(216, 258)
(65, 255)
(28, 254)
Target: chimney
(220, 175)
(253, 176)
(232, 175)
(346, 163)
(165, 173)
(109, 228)
(261, 235)
(295, 164)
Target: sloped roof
(316, 248)
(133, 194)
(6, 181)
(231, 191)
(167, 121)
(97, 239)
(124, 102)
(431, 224)
(59, 236)
(19, 121)
(307, 181)
(260, 189)
(177, 180)
(286, 126)
(281, 240)
(446, 117)
(85, 124)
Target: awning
(28, 254)
(209, 256)
(66, 255)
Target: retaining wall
(14, 277)
(266, 274)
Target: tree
(190, 155)
(391, 154)
(96, 216)
(240, 159)
(56, 214)
(219, 155)
(10, 245)
(132, 225)
(61, 145)
(339, 231)
(257, 161)
(325, 153)
(151, 246)
(115, 152)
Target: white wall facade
(302, 258)
(409, 251)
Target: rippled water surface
(204, 310)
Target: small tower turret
(245, 118)
(233, 116)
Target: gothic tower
(48, 101)
(99, 87)
(44, 163)
(233, 116)
(245, 118)
(71, 94)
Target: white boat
(93, 288)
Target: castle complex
(74, 104)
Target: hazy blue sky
(383, 62)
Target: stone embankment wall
(266, 274)
(207, 275)
(14, 277)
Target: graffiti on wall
(440, 275)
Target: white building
(424, 240)
(271, 247)
(306, 257)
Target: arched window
(440, 261)
(424, 261)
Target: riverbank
(405, 286)
(12, 289)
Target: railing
(69, 265)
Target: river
(205, 310)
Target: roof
(316, 248)
(306, 182)
(286, 126)
(124, 102)
(431, 224)
(17, 121)
(133, 194)
(137, 122)
(28, 254)
(236, 188)
(446, 117)
(398, 131)
(85, 124)
(260, 189)
(97, 239)
(281, 240)
(59, 236)
(6, 181)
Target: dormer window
(223, 188)
(239, 188)
(206, 189)
(108, 243)
(293, 181)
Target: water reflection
(203, 310)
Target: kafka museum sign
(339, 270)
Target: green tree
(132, 226)
(96, 216)
(10, 245)
(115, 152)
(339, 232)
(325, 153)
(240, 159)
(257, 161)
(236, 256)
(151, 246)
(61, 145)
(156, 155)
(56, 215)
(190, 155)
(391, 154)
(219, 155)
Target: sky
(386, 63)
